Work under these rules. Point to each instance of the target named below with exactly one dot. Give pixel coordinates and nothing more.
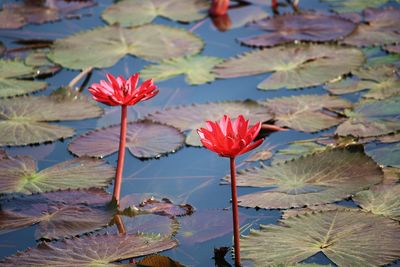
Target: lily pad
(197, 69)
(143, 139)
(348, 238)
(2, 49)
(309, 26)
(150, 42)
(388, 155)
(345, 6)
(393, 48)
(12, 82)
(307, 113)
(87, 251)
(377, 58)
(381, 200)
(20, 175)
(244, 15)
(192, 117)
(382, 82)
(293, 66)
(297, 150)
(381, 28)
(320, 178)
(24, 120)
(130, 13)
(57, 214)
(372, 118)
(159, 261)
(317, 208)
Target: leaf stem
(121, 154)
(120, 224)
(78, 77)
(235, 213)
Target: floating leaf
(307, 113)
(318, 208)
(197, 69)
(344, 6)
(2, 48)
(159, 261)
(42, 65)
(297, 150)
(377, 58)
(150, 42)
(11, 83)
(387, 155)
(24, 120)
(17, 15)
(348, 238)
(58, 215)
(390, 48)
(382, 200)
(192, 117)
(87, 251)
(130, 13)
(372, 119)
(294, 66)
(20, 175)
(309, 26)
(382, 82)
(246, 14)
(321, 178)
(381, 28)
(143, 139)
(264, 154)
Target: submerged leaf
(373, 118)
(150, 42)
(309, 26)
(293, 66)
(348, 238)
(197, 69)
(24, 120)
(20, 175)
(307, 113)
(321, 178)
(130, 13)
(192, 117)
(87, 251)
(143, 139)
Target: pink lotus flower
(230, 139)
(120, 92)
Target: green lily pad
(372, 118)
(11, 82)
(87, 251)
(297, 150)
(307, 113)
(58, 214)
(382, 82)
(377, 58)
(381, 28)
(143, 139)
(293, 66)
(197, 69)
(150, 42)
(345, 6)
(192, 117)
(321, 178)
(20, 175)
(381, 200)
(388, 155)
(23, 120)
(348, 238)
(130, 13)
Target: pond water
(191, 174)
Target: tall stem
(235, 213)
(121, 154)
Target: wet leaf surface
(27, 117)
(307, 113)
(130, 13)
(381, 28)
(345, 237)
(289, 28)
(59, 214)
(197, 69)
(143, 139)
(372, 118)
(192, 117)
(20, 175)
(317, 179)
(293, 66)
(114, 42)
(86, 251)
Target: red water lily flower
(230, 139)
(119, 92)
(219, 7)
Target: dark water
(190, 174)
